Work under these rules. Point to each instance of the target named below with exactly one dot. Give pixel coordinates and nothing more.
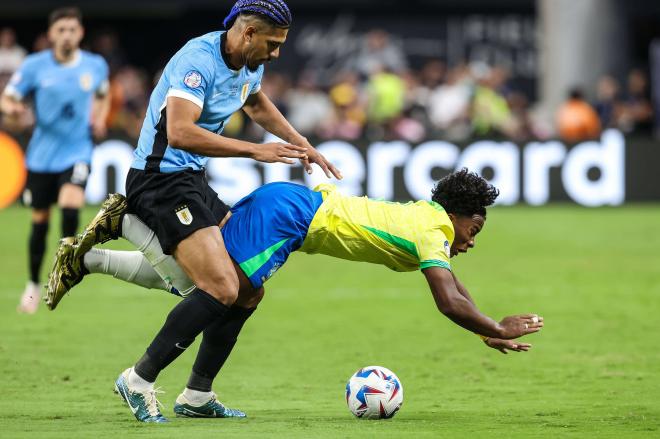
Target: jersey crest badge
(193, 79)
(448, 249)
(86, 81)
(244, 91)
(184, 215)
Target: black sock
(37, 248)
(69, 221)
(217, 343)
(190, 317)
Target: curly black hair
(464, 193)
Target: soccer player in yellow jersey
(278, 218)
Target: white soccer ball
(374, 392)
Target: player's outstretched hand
(523, 324)
(507, 345)
(277, 152)
(313, 156)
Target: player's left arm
(492, 342)
(262, 110)
(101, 103)
(100, 110)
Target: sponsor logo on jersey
(86, 81)
(184, 215)
(193, 79)
(244, 91)
(448, 249)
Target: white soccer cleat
(143, 404)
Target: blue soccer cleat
(143, 405)
(210, 409)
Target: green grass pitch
(594, 371)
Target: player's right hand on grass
(517, 326)
(276, 152)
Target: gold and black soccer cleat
(67, 272)
(105, 226)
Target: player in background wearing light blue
(207, 80)
(69, 89)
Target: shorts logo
(80, 174)
(271, 272)
(184, 215)
(244, 91)
(27, 197)
(193, 79)
(448, 249)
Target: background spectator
(380, 96)
(378, 53)
(607, 103)
(637, 111)
(11, 55)
(576, 119)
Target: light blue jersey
(199, 73)
(63, 95)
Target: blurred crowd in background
(379, 97)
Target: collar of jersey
(74, 61)
(223, 55)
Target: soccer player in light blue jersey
(69, 89)
(208, 79)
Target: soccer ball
(374, 392)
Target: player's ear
(249, 32)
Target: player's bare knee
(222, 286)
(226, 297)
(40, 216)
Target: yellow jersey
(401, 236)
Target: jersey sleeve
(433, 248)
(192, 76)
(23, 81)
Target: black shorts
(43, 188)
(173, 205)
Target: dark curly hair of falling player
(464, 193)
